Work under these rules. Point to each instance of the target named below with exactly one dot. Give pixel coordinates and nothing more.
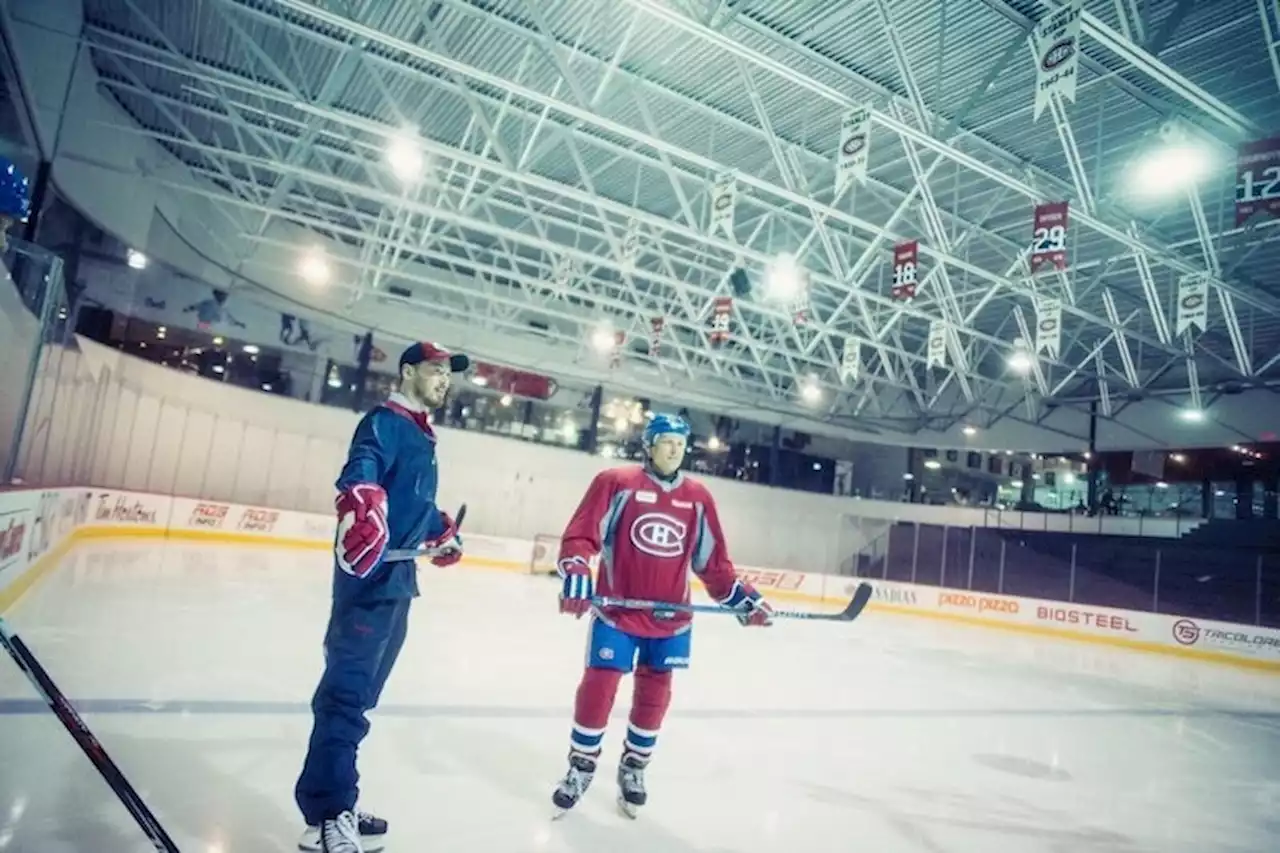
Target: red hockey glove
(575, 594)
(751, 607)
(362, 529)
(447, 547)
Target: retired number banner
(1257, 179)
(905, 268)
(1049, 233)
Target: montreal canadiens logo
(659, 535)
(1058, 53)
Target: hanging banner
(855, 149)
(1192, 313)
(1056, 41)
(1257, 179)
(564, 271)
(720, 319)
(656, 325)
(936, 356)
(905, 269)
(800, 306)
(1049, 236)
(615, 355)
(631, 245)
(1048, 327)
(851, 360)
(724, 194)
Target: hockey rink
(194, 666)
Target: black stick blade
(856, 604)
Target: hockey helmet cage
(15, 191)
(661, 424)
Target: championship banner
(851, 360)
(615, 354)
(723, 198)
(1257, 179)
(1048, 326)
(1049, 235)
(936, 355)
(656, 325)
(855, 149)
(905, 269)
(631, 245)
(1056, 42)
(1192, 313)
(720, 319)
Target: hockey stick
(415, 553)
(62, 709)
(851, 611)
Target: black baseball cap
(426, 351)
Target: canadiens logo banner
(855, 144)
(1057, 50)
(1257, 179)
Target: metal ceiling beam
(1155, 252)
(700, 161)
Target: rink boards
(38, 526)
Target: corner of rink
(38, 527)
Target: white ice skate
(631, 792)
(370, 832)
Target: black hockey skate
(582, 769)
(372, 831)
(631, 792)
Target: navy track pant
(360, 648)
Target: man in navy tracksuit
(386, 500)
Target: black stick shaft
(93, 750)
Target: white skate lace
(575, 782)
(633, 778)
(342, 834)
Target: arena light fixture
(784, 277)
(1175, 164)
(969, 430)
(810, 390)
(1194, 416)
(405, 157)
(603, 338)
(136, 260)
(313, 266)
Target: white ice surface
(194, 666)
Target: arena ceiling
(571, 152)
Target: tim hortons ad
(978, 602)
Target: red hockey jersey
(648, 535)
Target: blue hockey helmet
(15, 191)
(661, 424)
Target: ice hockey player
(647, 525)
(386, 500)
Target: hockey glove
(362, 529)
(751, 608)
(575, 594)
(446, 549)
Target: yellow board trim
(41, 567)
